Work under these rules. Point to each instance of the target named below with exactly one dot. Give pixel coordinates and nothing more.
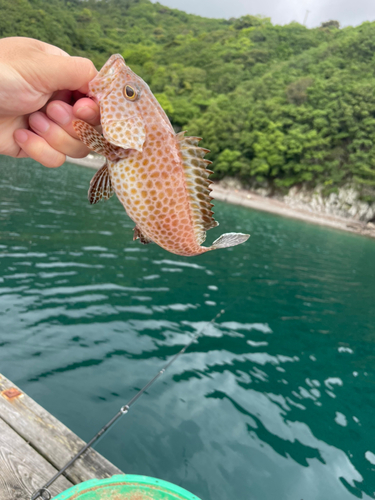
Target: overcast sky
(347, 12)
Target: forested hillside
(282, 105)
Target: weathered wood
(49, 437)
(22, 469)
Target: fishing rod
(43, 493)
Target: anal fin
(100, 186)
(138, 235)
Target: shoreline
(250, 199)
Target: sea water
(275, 401)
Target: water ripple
(275, 400)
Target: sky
(347, 12)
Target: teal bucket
(126, 487)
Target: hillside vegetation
(276, 105)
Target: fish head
(126, 104)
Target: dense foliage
(282, 105)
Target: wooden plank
(22, 469)
(52, 439)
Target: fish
(159, 176)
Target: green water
(276, 401)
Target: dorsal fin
(188, 141)
(198, 185)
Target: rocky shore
(343, 210)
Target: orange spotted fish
(159, 176)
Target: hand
(33, 74)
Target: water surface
(276, 400)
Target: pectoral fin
(100, 186)
(96, 142)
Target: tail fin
(229, 240)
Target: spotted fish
(160, 177)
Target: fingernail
(39, 122)
(59, 114)
(86, 113)
(20, 136)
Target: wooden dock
(34, 445)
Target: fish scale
(160, 177)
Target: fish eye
(130, 93)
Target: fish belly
(152, 190)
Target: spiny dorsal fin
(100, 186)
(197, 183)
(187, 141)
(180, 135)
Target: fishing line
(43, 493)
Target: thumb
(65, 73)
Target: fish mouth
(101, 85)
(114, 63)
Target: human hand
(33, 73)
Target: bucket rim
(74, 492)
